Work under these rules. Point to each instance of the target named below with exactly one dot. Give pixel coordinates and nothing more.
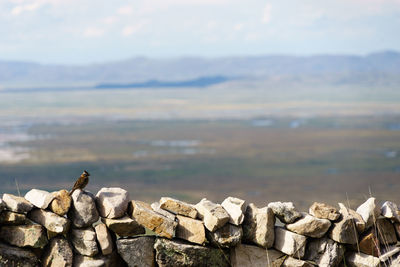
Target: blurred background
(264, 100)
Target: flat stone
(344, 230)
(310, 226)
(324, 211)
(58, 253)
(145, 216)
(324, 252)
(236, 208)
(112, 202)
(358, 220)
(369, 243)
(369, 211)
(11, 256)
(138, 251)
(386, 232)
(83, 211)
(179, 253)
(104, 238)
(12, 218)
(191, 230)
(110, 260)
(247, 255)
(290, 243)
(24, 235)
(124, 226)
(61, 202)
(228, 236)
(354, 259)
(390, 252)
(258, 226)
(389, 210)
(285, 211)
(213, 215)
(50, 220)
(292, 262)
(17, 204)
(156, 207)
(39, 198)
(84, 241)
(178, 207)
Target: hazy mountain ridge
(382, 66)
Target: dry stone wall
(110, 229)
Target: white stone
(292, 262)
(112, 202)
(236, 208)
(285, 211)
(156, 207)
(310, 226)
(258, 226)
(358, 220)
(124, 226)
(39, 198)
(50, 221)
(16, 204)
(191, 230)
(84, 241)
(83, 211)
(104, 238)
(389, 210)
(58, 253)
(213, 215)
(178, 207)
(227, 236)
(361, 260)
(252, 256)
(325, 252)
(290, 243)
(369, 211)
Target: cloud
(17, 10)
(266, 16)
(125, 10)
(93, 32)
(238, 26)
(131, 29)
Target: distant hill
(382, 67)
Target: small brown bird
(82, 181)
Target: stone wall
(110, 229)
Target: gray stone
(191, 230)
(24, 235)
(124, 226)
(50, 220)
(17, 204)
(112, 202)
(354, 259)
(83, 211)
(178, 207)
(310, 226)
(236, 208)
(138, 251)
(285, 211)
(61, 202)
(358, 220)
(324, 252)
(147, 217)
(179, 253)
(290, 243)
(389, 210)
(228, 236)
(344, 230)
(258, 226)
(84, 241)
(213, 215)
(58, 253)
(156, 207)
(369, 211)
(324, 211)
(292, 262)
(386, 232)
(39, 198)
(12, 218)
(11, 256)
(252, 256)
(104, 238)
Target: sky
(94, 31)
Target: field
(263, 143)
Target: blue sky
(91, 31)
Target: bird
(82, 181)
